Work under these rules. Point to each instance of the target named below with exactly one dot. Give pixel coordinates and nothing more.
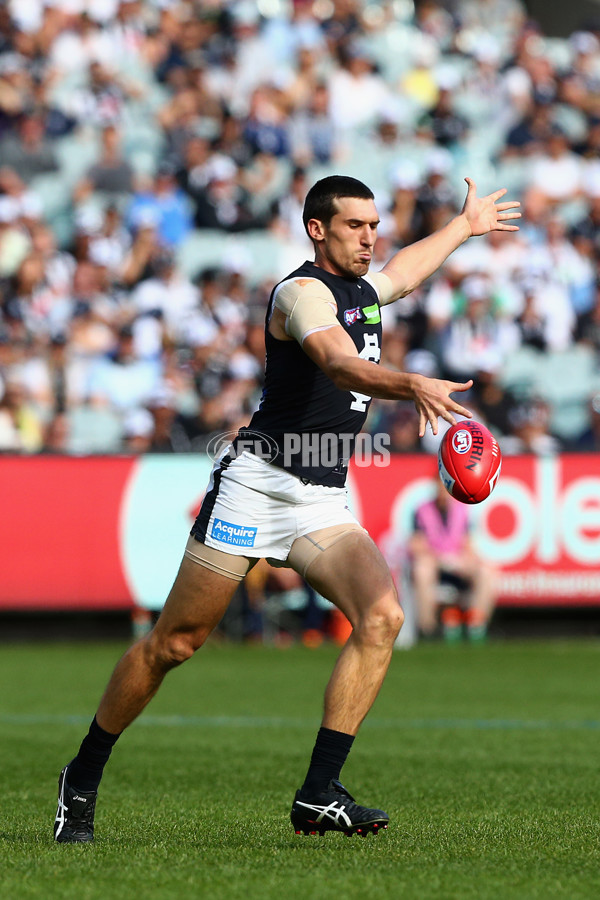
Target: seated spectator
(529, 422)
(121, 380)
(402, 428)
(167, 296)
(266, 127)
(28, 151)
(112, 174)
(556, 176)
(493, 401)
(55, 380)
(530, 136)
(441, 551)
(478, 338)
(546, 298)
(223, 203)
(446, 126)
(138, 429)
(56, 435)
(21, 429)
(589, 441)
(405, 217)
(314, 137)
(588, 324)
(291, 204)
(358, 95)
(589, 226)
(532, 322)
(163, 200)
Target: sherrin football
(469, 461)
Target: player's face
(345, 246)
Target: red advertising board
(108, 532)
(541, 526)
(59, 537)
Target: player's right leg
(196, 603)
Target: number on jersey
(372, 352)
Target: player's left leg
(352, 574)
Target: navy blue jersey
(311, 425)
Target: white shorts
(255, 509)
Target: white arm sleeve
(383, 285)
(308, 305)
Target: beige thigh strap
(309, 547)
(228, 564)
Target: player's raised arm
(412, 265)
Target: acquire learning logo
(229, 533)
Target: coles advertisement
(109, 532)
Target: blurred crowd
(154, 158)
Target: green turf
(485, 757)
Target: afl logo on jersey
(353, 315)
(461, 441)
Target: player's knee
(382, 624)
(170, 650)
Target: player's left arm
(412, 265)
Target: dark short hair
(320, 200)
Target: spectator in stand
(358, 94)
(530, 430)
(138, 431)
(121, 380)
(556, 176)
(112, 174)
(28, 151)
(223, 204)
(478, 338)
(166, 299)
(266, 126)
(493, 401)
(588, 228)
(21, 203)
(589, 441)
(137, 261)
(290, 206)
(588, 324)
(442, 552)
(163, 410)
(54, 380)
(103, 100)
(447, 127)
(401, 426)
(56, 436)
(548, 298)
(21, 428)
(313, 135)
(530, 135)
(163, 200)
(405, 217)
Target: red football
(469, 461)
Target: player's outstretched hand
(485, 214)
(433, 401)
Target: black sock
(85, 771)
(328, 756)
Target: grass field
(486, 759)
